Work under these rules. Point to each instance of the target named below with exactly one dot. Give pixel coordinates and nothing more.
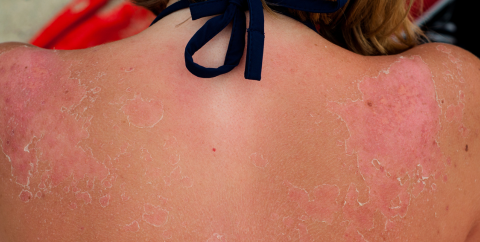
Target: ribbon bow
(234, 11)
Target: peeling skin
(288, 222)
(303, 233)
(453, 60)
(124, 197)
(176, 178)
(395, 123)
(146, 155)
(73, 206)
(104, 201)
(324, 205)
(108, 181)
(141, 113)
(174, 159)
(38, 122)
(39, 194)
(258, 160)
(85, 196)
(167, 234)
(455, 114)
(353, 235)
(25, 196)
(217, 238)
(132, 227)
(154, 215)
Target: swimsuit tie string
(234, 11)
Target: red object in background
(82, 24)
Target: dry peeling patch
(258, 160)
(39, 121)
(322, 207)
(217, 238)
(132, 227)
(142, 113)
(393, 130)
(155, 215)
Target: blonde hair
(366, 27)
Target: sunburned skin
(104, 201)
(258, 160)
(132, 227)
(142, 113)
(155, 215)
(393, 131)
(217, 238)
(455, 111)
(321, 206)
(40, 124)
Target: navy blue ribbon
(234, 11)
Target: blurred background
(75, 24)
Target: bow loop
(232, 11)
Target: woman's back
(121, 143)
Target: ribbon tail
(256, 41)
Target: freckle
(466, 148)
(369, 103)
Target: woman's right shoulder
(441, 55)
(456, 75)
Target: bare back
(121, 143)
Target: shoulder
(12, 46)
(441, 54)
(456, 73)
(453, 66)
(19, 59)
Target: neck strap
(234, 11)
